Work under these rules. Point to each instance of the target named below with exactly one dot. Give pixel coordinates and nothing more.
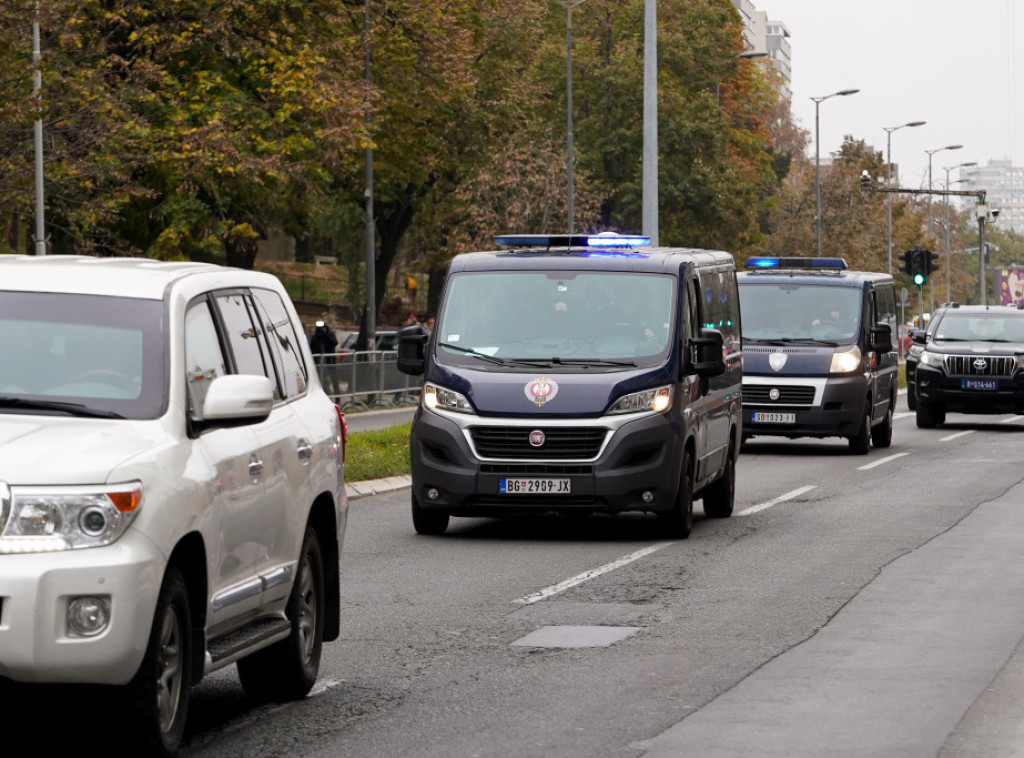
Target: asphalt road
(852, 606)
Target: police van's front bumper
(805, 406)
(634, 463)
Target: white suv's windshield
(799, 312)
(81, 355)
(598, 317)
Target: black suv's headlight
(935, 360)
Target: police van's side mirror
(412, 342)
(881, 338)
(708, 353)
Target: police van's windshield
(785, 312)
(595, 318)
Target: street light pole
(649, 200)
(37, 84)
(817, 161)
(570, 156)
(949, 247)
(930, 154)
(888, 179)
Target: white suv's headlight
(441, 398)
(845, 362)
(935, 360)
(48, 519)
(656, 400)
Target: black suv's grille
(578, 443)
(979, 365)
(758, 394)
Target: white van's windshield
(566, 315)
(799, 312)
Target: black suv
(971, 363)
(915, 350)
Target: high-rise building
(1004, 187)
(766, 36)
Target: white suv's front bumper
(35, 645)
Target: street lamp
(742, 56)
(569, 5)
(930, 154)
(817, 160)
(888, 176)
(949, 251)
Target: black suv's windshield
(81, 355)
(784, 312)
(601, 319)
(990, 326)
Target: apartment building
(764, 35)
(1004, 186)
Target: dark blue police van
(578, 374)
(818, 353)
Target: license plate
(979, 384)
(535, 486)
(772, 418)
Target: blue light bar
(602, 240)
(835, 264)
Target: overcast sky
(951, 63)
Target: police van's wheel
(159, 692)
(287, 670)
(925, 416)
(426, 521)
(860, 443)
(719, 497)
(881, 435)
(678, 522)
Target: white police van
(818, 353)
(578, 374)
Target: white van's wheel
(427, 521)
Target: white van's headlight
(935, 360)
(656, 400)
(845, 362)
(440, 398)
(43, 520)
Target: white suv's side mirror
(237, 397)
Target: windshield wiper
(570, 362)
(474, 353)
(792, 341)
(74, 409)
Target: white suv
(172, 493)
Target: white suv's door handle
(255, 466)
(304, 450)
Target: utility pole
(37, 85)
(368, 241)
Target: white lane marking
(1011, 419)
(323, 686)
(554, 589)
(903, 414)
(880, 461)
(780, 499)
(954, 436)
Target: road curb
(356, 490)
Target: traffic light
(906, 262)
(930, 262)
(919, 265)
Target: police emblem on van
(777, 361)
(541, 390)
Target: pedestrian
(324, 346)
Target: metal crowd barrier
(367, 380)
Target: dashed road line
(554, 589)
(880, 461)
(775, 501)
(903, 414)
(1011, 419)
(954, 436)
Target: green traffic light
(919, 279)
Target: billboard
(1011, 286)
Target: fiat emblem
(980, 364)
(773, 393)
(536, 438)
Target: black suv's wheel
(720, 496)
(911, 397)
(159, 692)
(860, 442)
(288, 669)
(427, 521)
(678, 522)
(881, 435)
(925, 416)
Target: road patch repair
(576, 636)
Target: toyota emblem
(980, 364)
(536, 438)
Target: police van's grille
(559, 442)
(758, 394)
(979, 365)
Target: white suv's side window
(244, 338)
(283, 341)
(204, 360)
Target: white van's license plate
(534, 486)
(979, 384)
(773, 418)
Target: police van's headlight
(656, 400)
(439, 398)
(935, 360)
(845, 362)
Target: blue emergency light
(765, 262)
(602, 240)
